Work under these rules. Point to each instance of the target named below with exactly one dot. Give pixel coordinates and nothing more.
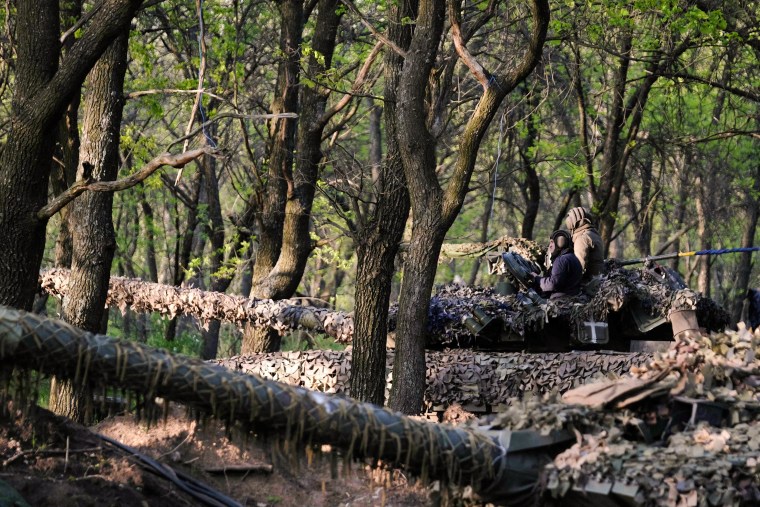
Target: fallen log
(170, 301)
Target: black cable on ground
(188, 484)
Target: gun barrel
(640, 260)
(674, 255)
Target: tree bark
(283, 134)
(64, 169)
(418, 156)
(94, 239)
(220, 280)
(283, 278)
(531, 186)
(744, 269)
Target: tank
(650, 302)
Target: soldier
(587, 243)
(566, 271)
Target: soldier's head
(578, 217)
(559, 241)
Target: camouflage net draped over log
(480, 382)
(525, 247)
(458, 456)
(140, 296)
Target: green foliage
(187, 341)
(332, 256)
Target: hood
(578, 217)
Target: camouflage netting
(518, 315)
(140, 296)
(525, 247)
(646, 439)
(479, 382)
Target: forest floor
(51, 461)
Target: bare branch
(361, 77)
(372, 29)
(222, 116)
(480, 73)
(81, 186)
(167, 91)
(540, 13)
(79, 24)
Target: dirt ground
(50, 461)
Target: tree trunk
(418, 155)
(433, 209)
(150, 240)
(184, 244)
(283, 133)
(531, 187)
(64, 174)
(94, 240)
(419, 273)
(744, 269)
(610, 187)
(378, 240)
(215, 232)
(281, 282)
(704, 231)
(26, 157)
(279, 183)
(282, 279)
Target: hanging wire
(676, 255)
(202, 52)
(198, 104)
(496, 169)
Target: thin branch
(480, 73)
(222, 116)
(79, 24)
(197, 104)
(675, 237)
(81, 186)
(166, 91)
(754, 97)
(361, 77)
(717, 136)
(383, 38)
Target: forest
(280, 149)
(324, 152)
